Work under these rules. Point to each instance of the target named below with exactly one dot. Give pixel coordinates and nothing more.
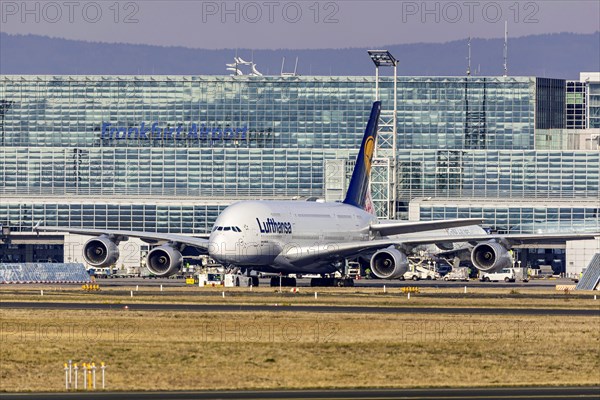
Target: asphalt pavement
(503, 393)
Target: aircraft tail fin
(357, 193)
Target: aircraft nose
(222, 248)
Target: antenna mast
(505, 48)
(469, 58)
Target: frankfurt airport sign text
(154, 131)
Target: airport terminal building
(169, 153)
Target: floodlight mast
(383, 58)
(383, 177)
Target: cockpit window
(227, 228)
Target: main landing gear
(283, 281)
(277, 281)
(328, 282)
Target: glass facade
(499, 174)
(261, 112)
(198, 172)
(521, 218)
(594, 105)
(575, 103)
(166, 218)
(205, 141)
(550, 103)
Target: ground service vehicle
(418, 272)
(458, 274)
(506, 275)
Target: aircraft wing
(388, 228)
(511, 240)
(150, 237)
(299, 255)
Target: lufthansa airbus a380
(314, 238)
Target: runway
(463, 393)
(534, 284)
(299, 308)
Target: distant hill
(561, 55)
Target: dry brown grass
(179, 350)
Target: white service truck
(457, 274)
(215, 277)
(417, 272)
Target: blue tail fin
(359, 184)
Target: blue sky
(267, 24)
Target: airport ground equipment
(218, 277)
(418, 272)
(457, 274)
(43, 273)
(235, 280)
(542, 272)
(506, 275)
(210, 279)
(353, 269)
(590, 279)
(521, 274)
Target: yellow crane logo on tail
(369, 148)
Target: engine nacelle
(164, 261)
(389, 264)
(491, 257)
(100, 252)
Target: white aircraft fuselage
(255, 233)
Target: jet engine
(100, 252)
(164, 260)
(491, 257)
(389, 263)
